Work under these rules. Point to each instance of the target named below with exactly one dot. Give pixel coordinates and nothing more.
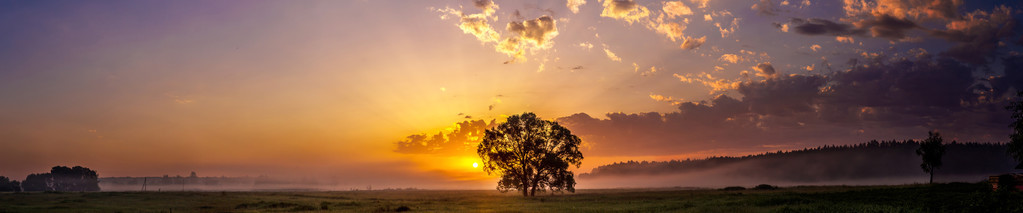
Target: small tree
(1015, 147)
(530, 154)
(931, 150)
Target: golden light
(475, 165)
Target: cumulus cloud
(538, 31)
(532, 34)
(700, 3)
(726, 31)
(573, 5)
(815, 47)
(675, 9)
(765, 70)
(670, 29)
(765, 7)
(693, 43)
(730, 58)
(487, 6)
(626, 10)
(611, 55)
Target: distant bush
(734, 188)
(765, 187)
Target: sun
(475, 165)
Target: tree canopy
(531, 155)
(1015, 147)
(931, 151)
(62, 178)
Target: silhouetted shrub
(734, 188)
(765, 187)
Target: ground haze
(954, 197)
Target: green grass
(957, 197)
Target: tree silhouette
(1015, 147)
(6, 185)
(37, 183)
(931, 150)
(62, 178)
(531, 155)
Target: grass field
(956, 197)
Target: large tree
(62, 178)
(931, 150)
(531, 155)
(1015, 147)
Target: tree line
(60, 178)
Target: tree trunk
(932, 177)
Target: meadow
(953, 197)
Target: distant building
(1018, 181)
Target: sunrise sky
(328, 89)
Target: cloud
(611, 55)
(765, 7)
(487, 6)
(713, 83)
(460, 138)
(586, 45)
(573, 5)
(815, 47)
(700, 3)
(882, 97)
(693, 43)
(626, 10)
(675, 9)
(670, 29)
(844, 39)
(730, 58)
(765, 70)
(977, 34)
(916, 9)
(883, 26)
(725, 32)
(886, 26)
(538, 31)
(824, 27)
(532, 34)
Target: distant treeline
(194, 179)
(874, 159)
(60, 178)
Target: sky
(353, 91)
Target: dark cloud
(782, 96)
(977, 34)
(824, 27)
(886, 26)
(882, 97)
(693, 43)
